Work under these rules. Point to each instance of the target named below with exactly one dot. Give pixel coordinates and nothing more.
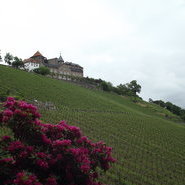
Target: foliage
(45, 153)
(172, 108)
(129, 89)
(134, 87)
(159, 102)
(106, 86)
(17, 63)
(13, 61)
(124, 90)
(8, 58)
(42, 70)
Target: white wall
(31, 66)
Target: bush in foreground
(47, 154)
(42, 70)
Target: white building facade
(30, 66)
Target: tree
(173, 108)
(134, 87)
(106, 86)
(17, 62)
(42, 70)
(8, 58)
(129, 89)
(160, 103)
(169, 106)
(123, 90)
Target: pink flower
(41, 155)
(31, 107)
(51, 181)
(6, 160)
(5, 119)
(75, 130)
(45, 139)
(16, 145)
(65, 142)
(23, 154)
(29, 149)
(6, 138)
(64, 124)
(85, 168)
(24, 179)
(18, 111)
(10, 99)
(9, 104)
(37, 115)
(8, 113)
(38, 122)
(42, 163)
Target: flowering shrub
(47, 154)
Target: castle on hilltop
(56, 65)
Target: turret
(60, 59)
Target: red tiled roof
(37, 54)
(31, 60)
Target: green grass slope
(149, 148)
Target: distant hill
(147, 140)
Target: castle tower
(60, 59)
(38, 57)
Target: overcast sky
(115, 40)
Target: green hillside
(149, 147)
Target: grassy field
(149, 147)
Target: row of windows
(61, 72)
(66, 72)
(34, 64)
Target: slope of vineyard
(149, 148)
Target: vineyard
(148, 146)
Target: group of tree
(171, 107)
(128, 89)
(13, 61)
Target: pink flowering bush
(47, 154)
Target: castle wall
(53, 61)
(66, 70)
